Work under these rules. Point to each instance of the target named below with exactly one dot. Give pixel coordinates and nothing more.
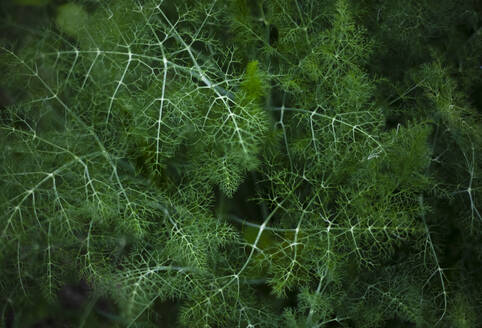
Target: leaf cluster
(241, 164)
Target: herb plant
(240, 163)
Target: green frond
(240, 163)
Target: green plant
(245, 163)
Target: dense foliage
(241, 163)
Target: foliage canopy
(241, 163)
